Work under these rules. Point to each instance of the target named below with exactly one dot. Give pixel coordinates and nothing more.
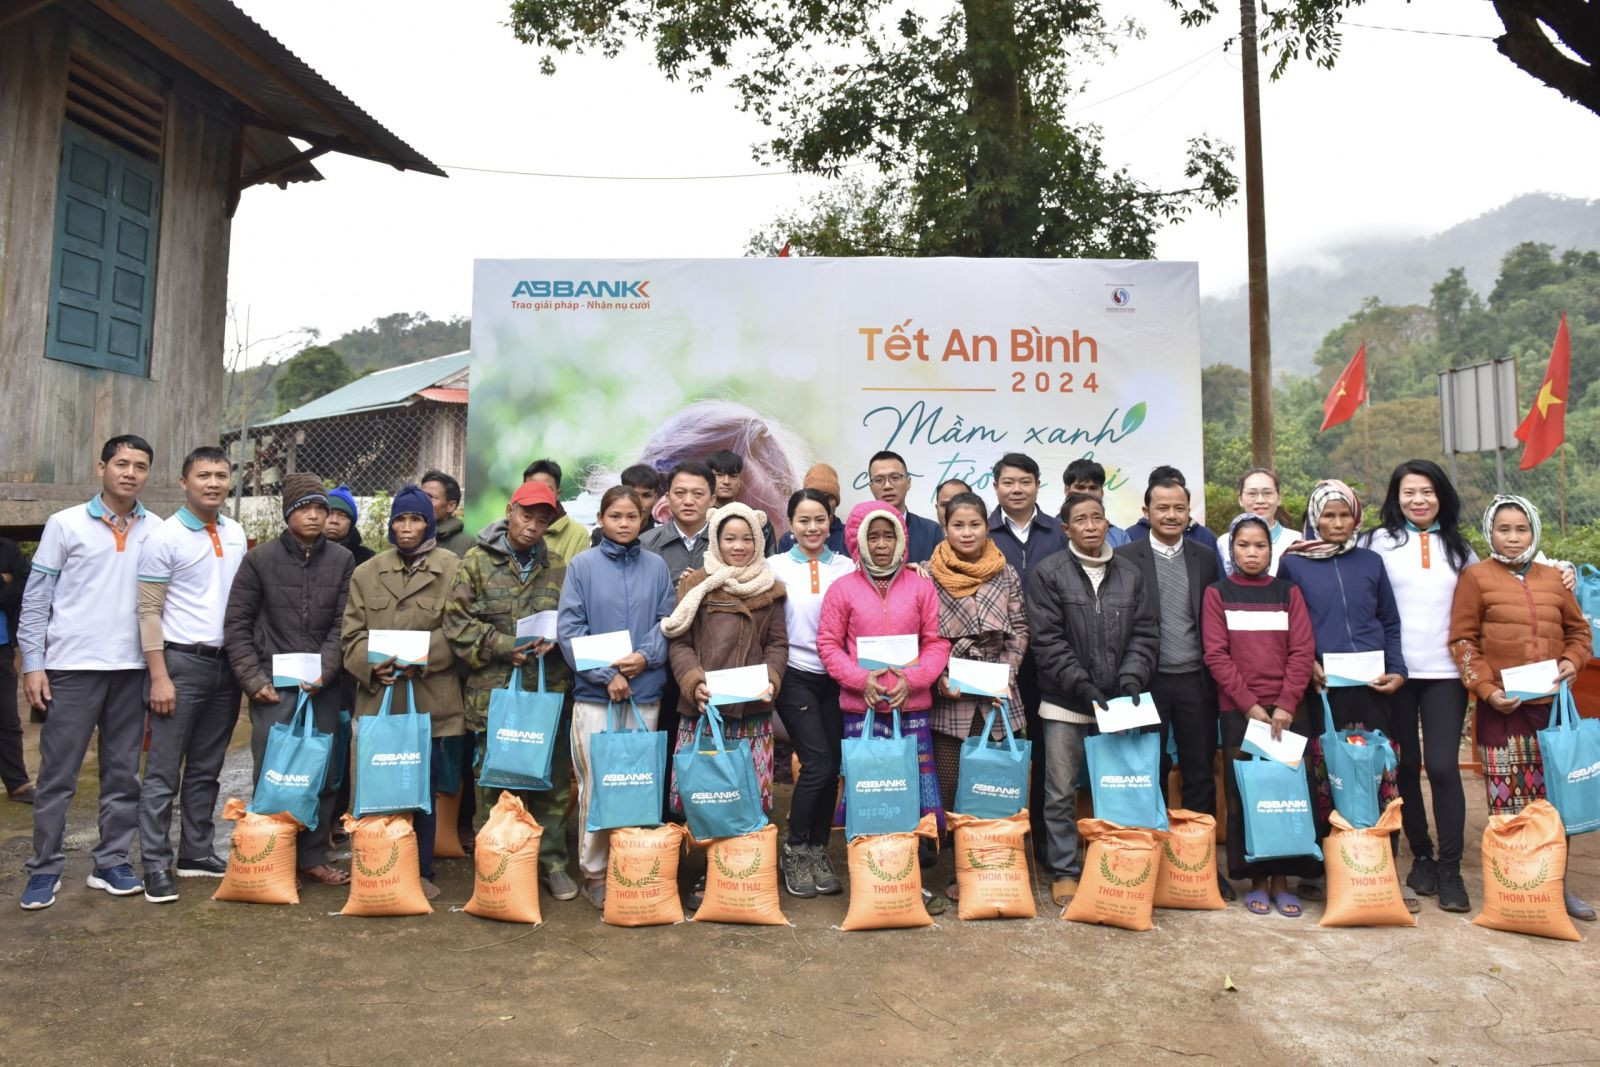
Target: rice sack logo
(587, 294)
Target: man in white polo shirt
(82, 665)
(185, 571)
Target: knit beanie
(300, 489)
(411, 500)
(824, 479)
(341, 499)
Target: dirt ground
(96, 979)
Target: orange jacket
(1499, 621)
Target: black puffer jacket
(286, 598)
(1082, 638)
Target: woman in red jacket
(1259, 646)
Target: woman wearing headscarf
(885, 597)
(1511, 610)
(406, 588)
(1352, 606)
(729, 614)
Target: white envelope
(1532, 680)
(892, 650)
(593, 651)
(1353, 668)
(1289, 749)
(974, 677)
(540, 626)
(738, 684)
(1121, 714)
(408, 647)
(292, 668)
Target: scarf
(1507, 500)
(1229, 564)
(868, 514)
(958, 577)
(743, 583)
(1310, 545)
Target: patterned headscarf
(1311, 546)
(1230, 564)
(1507, 500)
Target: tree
(1556, 41)
(312, 372)
(1224, 393)
(963, 116)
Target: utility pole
(1261, 432)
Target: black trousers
(667, 722)
(1188, 706)
(1233, 725)
(13, 771)
(808, 704)
(1439, 707)
(1028, 686)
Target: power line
(634, 177)
(1428, 33)
(1148, 81)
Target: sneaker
(595, 893)
(1424, 876)
(822, 874)
(795, 863)
(41, 892)
(1452, 890)
(119, 881)
(936, 903)
(429, 890)
(212, 866)
(160, 888)
(560, 884)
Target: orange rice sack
(1118, 887)
(1524, 874)
(1363, 884)
(505, 883)
(1187, 874)
(992, 867)
(886, 881)
(642, 877)
(261, 867)
(742, 880)
(384, 876)
(446, 835)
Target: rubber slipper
(1579, 910)
(1256, 902)
(1413, 905)
(325, 875)
(1288, 905)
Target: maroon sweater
(1258, 640)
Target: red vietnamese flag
(1348, 393)
(783, 252)
(1542, 432)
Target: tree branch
(1526, 45)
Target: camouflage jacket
(480, 620)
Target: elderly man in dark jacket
(1095, 633)
(289, 596)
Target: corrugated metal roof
(392, 388)
(225, 46)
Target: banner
(600, 364)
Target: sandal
(1408, 897)
(326, 875)
(1255, 902)
(1311, 890)
(1287, 904)
(952, 892)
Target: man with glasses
(888, 476)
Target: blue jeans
(1063, 763)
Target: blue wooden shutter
(102, 283)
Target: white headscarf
(1522, 504)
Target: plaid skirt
(756, 729)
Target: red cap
(530, 493)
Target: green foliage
(312, 372)
(962, 112)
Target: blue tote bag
(1278, 823)
(1570, 747)
(1124, 768)
(393, 754)
(1588, 593)
(627, 769)
(1355, 770)
(992, 782)
(293, 767)
(717, 784)
(523, 731)
(882, 792)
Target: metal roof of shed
(393, 388)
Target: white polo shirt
(94, 624)
(196, 563)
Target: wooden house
(128, 131)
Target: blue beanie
(411, 500)
(342, 499)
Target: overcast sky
(1411, 133)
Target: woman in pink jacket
(883, 597)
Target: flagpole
(1562, 459)
(1366, 428)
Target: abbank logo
(569, 289)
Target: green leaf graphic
(1133, 419)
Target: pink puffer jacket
(854, 608)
